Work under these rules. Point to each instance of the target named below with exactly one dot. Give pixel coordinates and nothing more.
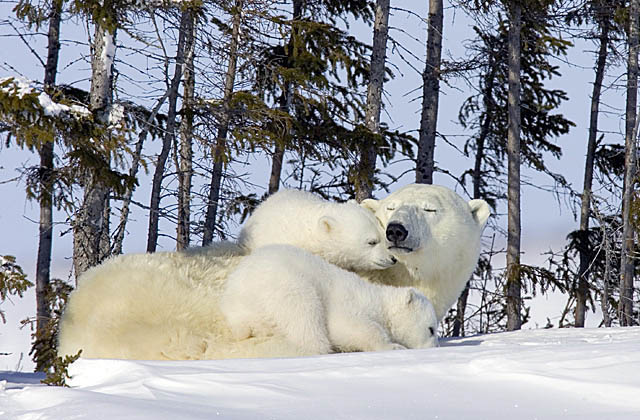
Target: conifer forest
(189, 113)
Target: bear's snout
(396, 233)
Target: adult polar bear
(436, 237)
(437, 251)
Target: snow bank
(531, 374)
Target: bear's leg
(349, 333)
(240, 320)
(303, 321)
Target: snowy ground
(532, 374)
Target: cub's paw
(396, 346)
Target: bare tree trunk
(186, 27)
(430, 96)
(185, 170)
(45, 239)
(223, 130)
(458, 323)
(585, 257)
(133, 172)
(277, 157)
(367, 164)
(604, 302)
(89, 228)
(625, 306)
(276, 169)
(514, 300)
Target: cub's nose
(396, 232)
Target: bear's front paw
(396, 346)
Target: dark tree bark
(223, 130)
(625, 306)
(582, 292)
(368, 153)
(276, 169)
(186, 27)
(430, 95)
(90, 229)
(489, 105)
(45, 238)
(185, 161)
(514, 300)
(277, 157)
(133, 172)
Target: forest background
(285, 95)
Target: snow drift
(531, 374)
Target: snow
(22, 86)
(108, 52)
(529, 374)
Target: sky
(545, 222)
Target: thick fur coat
(344, 234)
(319, 307)
(436, 237)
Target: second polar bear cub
(320, 308)
(344, 234)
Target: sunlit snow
(529, 374)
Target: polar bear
(344, 234)
(156, 306)
(436, 237)
(321, 308)
(166, 305)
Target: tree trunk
(223, 130)
(45, 234)
(582, 292)
(133, 172)
(604, 302)
(89, 228)
(430, 95)
(276, 169)
(186, 27)
(625, 306)
(286, 100)
(185, 169)
(367, 164)
(514, 300)
(458, 323)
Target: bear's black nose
(396, 232)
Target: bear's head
(429, 227)
(351, 237)
(412, 319)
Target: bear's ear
(327, 224)
(411, 295)
(480, 211)
(370, 204)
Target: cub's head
(420, 218)
(352, 238)
(412, 319)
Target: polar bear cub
(344, 234)
(320, 308)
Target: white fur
(443, 242)
(320, 308)
(166, 305)
(344, 234)
(158, 306)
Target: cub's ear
(327, 224)
(411, 295)
(480, 211)
(370, 204)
